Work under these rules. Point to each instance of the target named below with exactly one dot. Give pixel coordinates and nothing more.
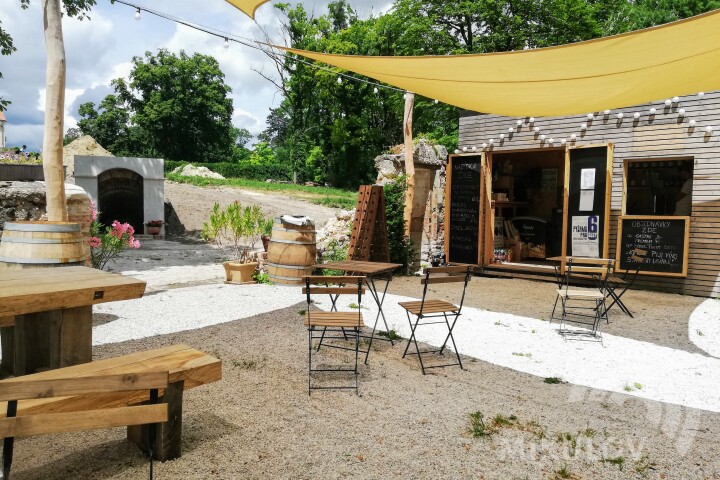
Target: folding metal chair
(583, 306)
(625, 281)
(335, 325)
(436, 309)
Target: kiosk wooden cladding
(663, 136)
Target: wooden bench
(14, 390)
(186, 368)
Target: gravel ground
(259, 422)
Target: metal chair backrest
(638, 257)
(452, 274)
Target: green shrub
(401, 251)
(243, 169)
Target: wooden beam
(409, 162)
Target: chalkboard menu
(665, 239)
(464, 216)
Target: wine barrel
(41, 244)
(291, 252)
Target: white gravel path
(521, 343)
(704, 327)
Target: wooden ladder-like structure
(368, 240)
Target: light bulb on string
(653, 111)
(536, 129)
(511, 129)
(464, 149)
(137, 15)
(709, 129)
(531, 120)
(436, 101)
(620, 115)
(668, 102)
(551, 141)
(491, 141)
(573, 137)
(339, 80)
(681, 112)
(502, 137)
(590, 116)
(484, 145)
(636, 115)
(474, 148)
(375, 90)
(583, 126)
(606, 112)
(675, 99)
(519, 123)
(563, 141)
(692, 123)
(542, 138)
(701, 94)
(226, 44)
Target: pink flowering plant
(106, 243)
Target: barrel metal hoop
(280, 277)
(41, 260)
(57, 241)
(292, 267)
(280, 229)
(293, 242)
(42, 227)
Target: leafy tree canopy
(172, 106)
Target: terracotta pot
(153, 230)
(239, 272)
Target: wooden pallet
(368, 240)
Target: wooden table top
(585, 260)
(43, 289)
(366, 268)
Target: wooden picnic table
(46, 314)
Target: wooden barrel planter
(42, 244)
(291, 252)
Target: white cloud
(101, 49)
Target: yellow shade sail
(676, 59)
(247, 6)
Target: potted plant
(235, 231)
(154, 226)
(266, 226)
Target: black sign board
(665, 239)
(464, 208)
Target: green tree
(172, 106)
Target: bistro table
(372, 271)
(46, 314)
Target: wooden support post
(168, 445)
(409, 162)
(52, 339)
(54, 112)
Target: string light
(531, 120)
(636, 115)
(375, 90)
(583, 126)
(692, 123)
(620, 115)
(551, 141)
(542, 138)
(464, 149)
(474, 148)
(484, 145)
(590, 116)
(536, 129)
(668, 102)
(681, 112)
(339, 80)
(491, 141)
(519, 123)
(227, 43)
(436, 101)
(563, 141)
(606, 113)
(502, 137)
(701, 94)
(573, 137)
(137, 15)
(709, 129)
(511, 129)
(675, 99)
(653, 111)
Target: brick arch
(120, 197)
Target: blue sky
(102, 48)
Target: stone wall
(26, 201)
(427, 226)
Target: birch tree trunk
(409, 161)
(54, 111)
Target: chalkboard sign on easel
(665, 238)
(464, 210)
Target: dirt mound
(85, 145)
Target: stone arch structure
(120, 197)
(128, 189)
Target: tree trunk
(409, 161)
(54, 112)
